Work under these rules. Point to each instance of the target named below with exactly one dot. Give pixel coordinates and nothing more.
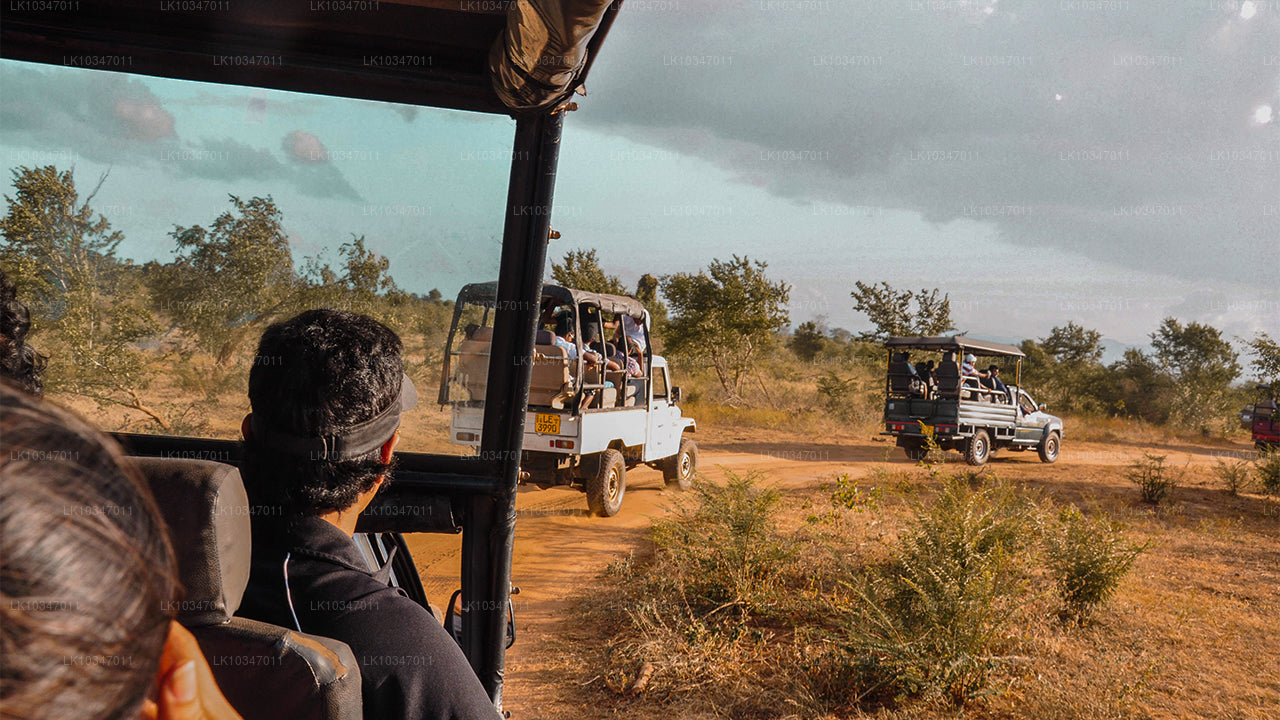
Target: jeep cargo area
(966, 407)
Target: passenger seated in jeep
(318, 446)
(992, 380)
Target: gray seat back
(265, 671)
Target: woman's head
(89, 577)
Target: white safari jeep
(588, 420)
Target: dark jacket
(410, 668)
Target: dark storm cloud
(115, 119)
(1118, 129)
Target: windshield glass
(155, 227)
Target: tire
(678, 470)
(978, 450)
(607, 486)
(1049, 448)
(916, 452)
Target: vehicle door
(663, 429)
(1031, 420)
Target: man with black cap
(326, 391)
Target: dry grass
(1190, 632)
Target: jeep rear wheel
(1049, 448)
(979, 448)
(606, 487)
(678, 469)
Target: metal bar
(488, 539)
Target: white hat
(970, 358)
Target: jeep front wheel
(678, 469)
(606, 487)
(979, 448)
(1049, 448)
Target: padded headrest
(482, 333)
(545, 337)
(205, 506)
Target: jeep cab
(1263, 424)
(588, 418)
(518, 64)
(927, 403)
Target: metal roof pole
(489, 534)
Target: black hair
(90, 581)
(19, 362)
(317, 374)
(564, 326)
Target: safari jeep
(586, 425)
(1263, 424)
(961, 413)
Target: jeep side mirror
(676, 394)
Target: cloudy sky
(1110, 162)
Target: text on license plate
(547, 424)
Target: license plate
(547, 424)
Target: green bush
(1268, 472)
(723, 549)
(929, 623)
(1234, 475)
(1088, 559)
(1153, 479)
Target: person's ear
(246, 427)
(389, 446)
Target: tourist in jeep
(318, 446)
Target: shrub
(1268, 471)
(928, 623)
(1234, 475)
(848, 495)
(1153, 479)
(1088, 559)
(723, 550)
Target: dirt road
(560, 549)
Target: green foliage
(1268, 472)
(581, 270)
(1154, 480)
(232, 279)
(892, 313)
(647, 294)
(1202, 364)
(1234, 475)
(726, 545)
(1266, 358)
(1088, 559)
(89, 307)
(848, 495)
(929, 623)
(724, 315)
(1074, 345)
(807, 341)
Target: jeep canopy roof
(462, 54)
(486, 293)
(955, 343)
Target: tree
(1266, 358)
(892, 313)
(87, 302)
(724, 315)
(581, 270)
(233, 278)
(647, 294)
(807, 340)
(1202, 366)
(1074, 345)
